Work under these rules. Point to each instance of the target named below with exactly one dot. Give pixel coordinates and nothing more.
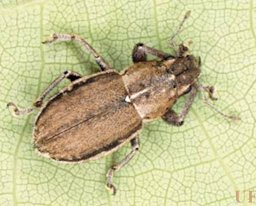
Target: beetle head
(186, 69)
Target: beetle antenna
(180, 26)
(232, 117)
(211, 95)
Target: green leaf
(203, 162)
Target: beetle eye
(199, 61)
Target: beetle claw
(179, 123)
(111, 188)
(53, 38)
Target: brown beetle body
(96, 115)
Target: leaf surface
(203, 162)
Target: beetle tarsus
(53, 38)
(16, 111)
(110, 185)
(112, 189)
(73, 37)
(121, 164)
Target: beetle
(96, 115)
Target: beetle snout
(194, 66)
(193, 62)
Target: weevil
(96, 115)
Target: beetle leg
(121, 164)
(38, 103)
(16, 111)
(173, 118)
(210, 91)
(140, 52)
(73, 37)
(65, 75)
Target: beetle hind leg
(16, 111)
(116, 167)
(73, 37)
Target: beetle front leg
(140, 52)
(72, 76)
(73, 37)
(121, 164)
(173, 118)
